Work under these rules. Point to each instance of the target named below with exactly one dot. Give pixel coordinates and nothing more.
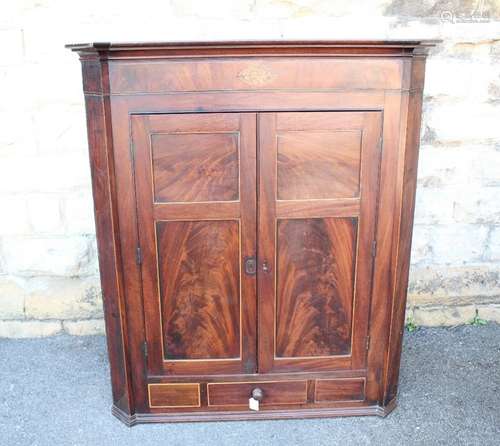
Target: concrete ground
(55, 391)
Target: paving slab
(55, 391)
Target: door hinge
(367, 343)
(145, 349)
(138, 256)
(374, 248)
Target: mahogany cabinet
(254, 205)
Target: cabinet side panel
(99, 139)
(383, 275)
(407, 191)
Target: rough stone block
(436, 166)
(14, 215)
(493, 245)
(477, 205)
(17, 138)
(443, 316)
(45, 214)
(421, 247)
(65, 91)
(458, 244)
(61, 256)
(11, 46)
(58, 298)
(29, 329)
(48, 173)
(489, 312)
(481, 165)
(433, 205)
(12, 295)
(465, 121)
(450, 286)
(84, 328)
(64, 134)
(214, 9)
(78, 211)
(458, 166)
(447, 76)
(433, 8)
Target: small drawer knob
(257, 394)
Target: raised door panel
(199, 273)
(195, 178)
(329, 168)
(315, 286)
(194, 167)
(318, 188)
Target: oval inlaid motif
(255, 75)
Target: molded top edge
(255, 47)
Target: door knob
(265, 267)
(257, 394)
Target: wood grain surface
(339, 390)
(199, 288)
(316, 261)
(192, 167)
(174, 395)
(237, 394)
(318, 164)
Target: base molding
(124, 417)
(142, 418)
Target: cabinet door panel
(315, 286)
(195, 178)
(329, 168)
(318, 186)
(193, 167)
(199, 273)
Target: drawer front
(174, 395)
(274, 393)
(330, 390)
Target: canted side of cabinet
(254, 206)
(100, 141)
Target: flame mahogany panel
(199, 288)
(193, 167)
(318, 164)
(315, 271)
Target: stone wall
(48, 268)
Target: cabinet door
(195, 177)
(318, 184)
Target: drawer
(339, 390)
(174, 395)
(274, 392)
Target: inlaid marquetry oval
(256, 75)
